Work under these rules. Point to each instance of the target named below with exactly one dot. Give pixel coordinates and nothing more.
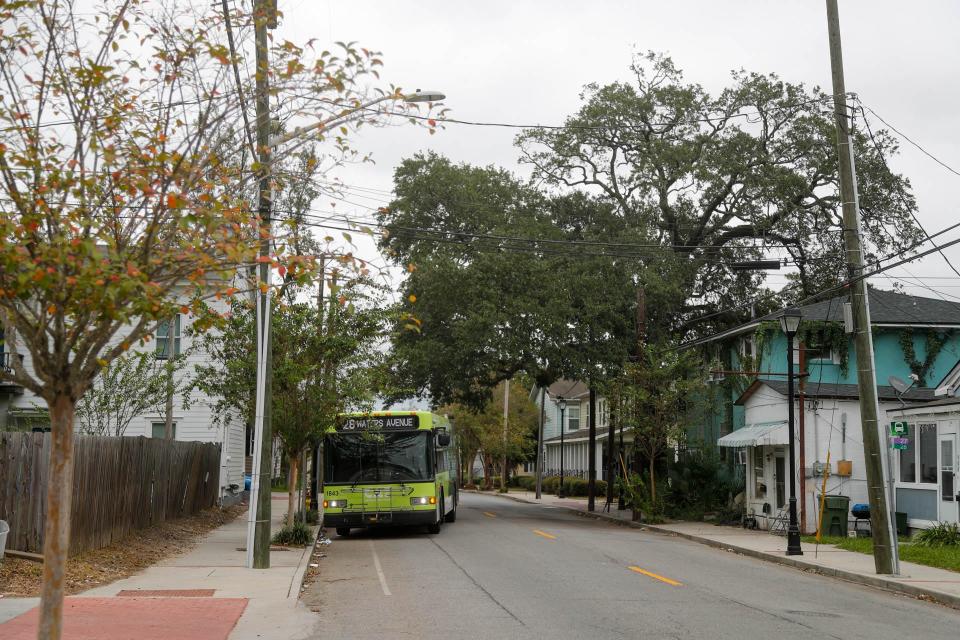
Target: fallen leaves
(135, 552)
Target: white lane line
(376, 563)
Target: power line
(899, 187)
(911, 141)
(828, 291)
(664, 123)
(236, 75)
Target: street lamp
(562, 405)
(258, 523)
(410, 98)
(790, 322)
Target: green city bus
(389, 468)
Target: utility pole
(315, 448)
(641, 340)
(506, 411)
(592, 452)
(539, 470)
(611, 459)
(884, 539)
(258, 557)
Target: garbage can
(902, 528)
(835, 510)
(4, 530)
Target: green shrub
(299, 535)
(527, 482)
(575, 487)
(942, 534)
(313, 516)
(696, 484)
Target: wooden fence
(119, 485)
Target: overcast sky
(526, 62)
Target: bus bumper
(381, 518)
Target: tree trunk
(292, 476)
(56, 530)
(653, 482)
(168, 414)
(487, 472)
(168, 409)
(636, 469)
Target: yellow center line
(655, 576)
(548, 536)
(489, 515)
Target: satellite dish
(898, 384)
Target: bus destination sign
(379, 423)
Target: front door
(780, 479)
(948, 479)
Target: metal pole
(506, 411)
(260, 496)
(885, 555)
(611, 461)
(621, 496)
(793, 531)
(560, 492)
(802, 438)
(592, 452)
(539, 470)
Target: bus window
(386, 457)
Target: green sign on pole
(899, 429)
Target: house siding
(193, 424)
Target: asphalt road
(512, 570)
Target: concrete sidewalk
(252, 603)
(915, 580)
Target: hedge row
(573, 486)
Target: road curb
(876, 582)
(296, 582)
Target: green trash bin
(835, 515)
(902, 528)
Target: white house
(20, 409)
(926, 469)
(827, 421)
(575, 438)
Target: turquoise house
(915, 339)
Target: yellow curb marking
(548, 536)
(489, 515)
(655, 576)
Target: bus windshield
(384, 457)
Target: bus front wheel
(435, 527)
(452, 516)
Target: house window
(759, 482)
(816, 348)
(159, 430)
(168, 341)
(918, 462)
(746, 347)
(573, 417)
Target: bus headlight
(334, 504)
(424, 500)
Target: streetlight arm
(276, 141)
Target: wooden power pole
(264, 17)
(884, 538)
(506, 420)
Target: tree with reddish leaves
(126, 167)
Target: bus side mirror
(443, 439)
